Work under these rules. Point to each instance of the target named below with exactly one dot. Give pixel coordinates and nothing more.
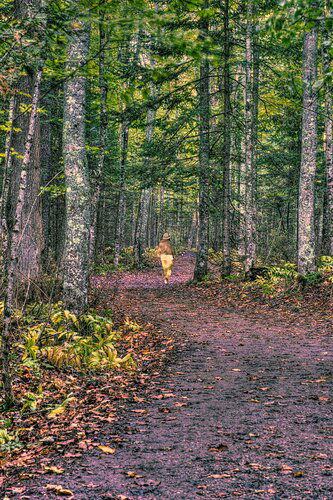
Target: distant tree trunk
(143, 214)
(327, 244)
(306, 232)
(201, 264)
(160, 227)
(53, 203)
(226, 245)
(15, 239)
(249, 156)
(7, 173)
(103, 123)
(242, 191)
(192, 235)
(119, 237)
(76, 252)
(254, 131)
(47, 173)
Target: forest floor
(241, 407)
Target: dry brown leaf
(52, 468)
(218, 448)
(59, 490)
(132, 473)
(286, 469)
(298, 473)
(219, 476)
(107, 449)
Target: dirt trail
(244, 410)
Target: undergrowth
(56, 353)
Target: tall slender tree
(98, 174)
(31, 243)
(226, 243)
(201, 264)
(249, 146)
(328, 136)
(15, 239)
(76, 251)
(306, 231)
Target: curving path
(244, 410)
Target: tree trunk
(7, 173)
(249, 156)
(226, 245)
(103, 123)
(15, 240)
(306, 232)
(122, 192)
(328, 145)
(143, 214)
(201, 264)
(76, 252)
(31, 242)
(254, 140)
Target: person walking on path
(165, 252)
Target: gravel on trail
(242, 409)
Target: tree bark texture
(76, 251)
(29, 253)
(201, 264)
(120, 223)
(226, 244)
(7, 173)
(306, 232)
(328, 143)
(15, 240)
(97, 178)
(248, 139)
(145, 198)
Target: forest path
(243, 410)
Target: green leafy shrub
(106, 261)
(8, 441)
(277, 277)
(86, 342)
(326, 267)
(311, 279)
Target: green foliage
(277, 277)
(87, 342)
(31, 399)
(311, 279)
(326, 264)
(8, 441)
(105, 263)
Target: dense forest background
(211, 119)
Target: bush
(276, 277)
(87, 342)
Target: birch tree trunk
(201, 264)
(306, 232)
(15, 240)
(248, 140)
(76, 251)
(254, 140)
(328, 143)
(29, 252)
(226, 246)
